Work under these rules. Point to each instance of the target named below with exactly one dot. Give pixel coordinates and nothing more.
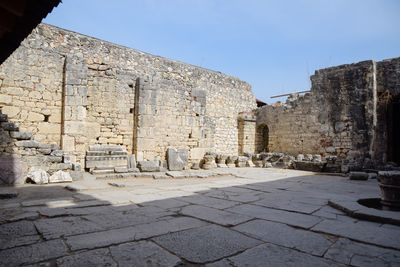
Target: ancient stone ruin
(71, 103)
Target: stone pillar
(145, 109)
(73, 138)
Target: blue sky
(273, 45)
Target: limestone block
(49, 128)
(177, 159)
(60, 177)
(76, 175)
(21, 135)
(362, 176)
(57, 153)
(11, 111)
(76, 166)
(38, 176)
(300, 157)
(148, 166)
(5, 99)
(75, 127)
(28, 144)
(10, 126)
(68, 143)
(33, 116)
(197, 153)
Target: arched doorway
(262, 138)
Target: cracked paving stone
(143, 253)
(274, 256)
(33, 253)
(205, 244)
(18, 234)
(213, 215)
(133, 233)
(97, 257)
(65, 226)
(363, 231)
(357, 254)
(287, 217)
(281, 234)
(209, 201)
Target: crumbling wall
(336, 118)
(89, 87)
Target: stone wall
(338, 116)
(76, 91)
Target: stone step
(102, 171)
(21, 135)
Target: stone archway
(262, 138)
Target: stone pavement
(258, 217)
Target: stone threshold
(353, 209)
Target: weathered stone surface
(11, 170)
(60, 177)
(33, 253)
(97, 257)
(76, 175)
(121, 169)
(28, 144)
(21, 135)
(214, 215)
(38, 176)
(148, 166)
(10, 126)
(362, 176)
(273, 255)
(17, 234)
(291, 218)
(362, 231)
(143, 252)
(283, 235)
(117, 236)
(205, 244)
(76, 166)
(357, 254)
(177, 159)
(3, 117)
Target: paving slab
(133, 233)
(291, 218)
(33, 253)
(143, 253)
(358, 254)
(98, 257)
(281, 234)
(363, 231)
(214, 215)
(18, 234)
(209, 201)
(205, 244)
(274, 256)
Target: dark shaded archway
(262, 138)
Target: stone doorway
(393, 130)
(262, 138)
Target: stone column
(73, 138)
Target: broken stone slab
(300, 157)
(120, 169)
(28, 144)
(360, 176)
(317, 158)
(160, 176)
(57, 153)
(102, 171)
(38, 176)
(148, 166)
(308, 166)
(60, 177)
(241, 161)
(230, 161)
(54, 159)
(308, 157)
(177, 159)
(21, 135)
(176, 174)
(221, 161)
(209, 162)
(133, 170)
